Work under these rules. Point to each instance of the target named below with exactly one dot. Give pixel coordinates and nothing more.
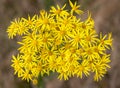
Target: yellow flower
(59, 11)
(58, 41)
(31, 42)
(63, 74)
(47, 54)
(90, 36)
(83, 68)
(26, 75)
(75, 8)
(29, 23)
(17, 65)
(13, 28)
(44, 21)
(62, 33)
(77, 38)
(104, 41)
(89, 53)
(98, 50)
(88, 23)
(46, 39)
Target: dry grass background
(106, 14)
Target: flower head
(75, 8)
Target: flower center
(58, 11)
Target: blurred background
(106, 14)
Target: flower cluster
(60, 42)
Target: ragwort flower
(60, 42)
